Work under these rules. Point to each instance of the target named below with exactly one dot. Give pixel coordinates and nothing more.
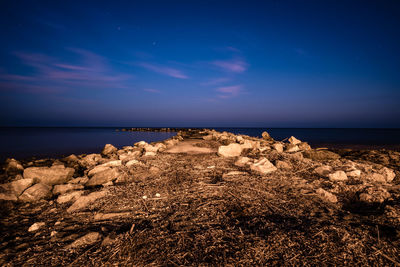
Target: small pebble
(144, 197)
(158, 195)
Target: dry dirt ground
(189, 206)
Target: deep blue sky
(200, 63)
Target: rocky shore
(203, 198)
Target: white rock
(243, 161)
(83, 201)
(293, 140)
(231, 150)
(263, 166)
(71, 196)
(354, 173)
(389, 174)
(132, 163)
(323, 170)
(86, 240)
(376, 177)
(292, 148)
(35, 193)
(338, 176)
(278, 147)
(266, 136)
(327, 196)
(50, 176)
(36, 226)
(103, 177)
(109, 150)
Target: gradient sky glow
(200, 63)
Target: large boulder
(36, 192)
(83, 202)
(290, 148)
(231, 150)
(105, 166)
(57, 174)
(103, 177)
(243, 161)
(294, 141)
(86, 240)
(263, 166)
(389, 174)
(338, 176)
(13, 167)
(17, 187)
(326, 196)
(68, 197)
(278, 147)
(90, 160)
(373, 195)
(320, 155)
(109, 150)
(266, 136)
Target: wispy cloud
(233, 65)
(171, 72)
(216, 81)
(150, 90)
(229, 91)
(49, 74)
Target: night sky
(200, 63)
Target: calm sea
(55, 142)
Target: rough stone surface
(304, 146)
(109, 150)
(282, 165)
(389, 174)
(376, 177)
(17, 187)
(64, 188)
(79, 180)
(326, 196)
(9, 196)
(373, 195)
(36, 226)
(231, 150)
(83, 201)
(263, 166)
(110, 216)
(51, 176)
(132, 163)
(90, 160)
(36, 192)
(323, 170)
(354, 173)
(292, 148)
(86, 240)
(103, 177)
(13, 167)
(338, 176)
(68, 197)
(278, 147)
(294, 141)
(242, 161)
(266, 136)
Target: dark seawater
(56, 142)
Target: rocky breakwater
(221, 193)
